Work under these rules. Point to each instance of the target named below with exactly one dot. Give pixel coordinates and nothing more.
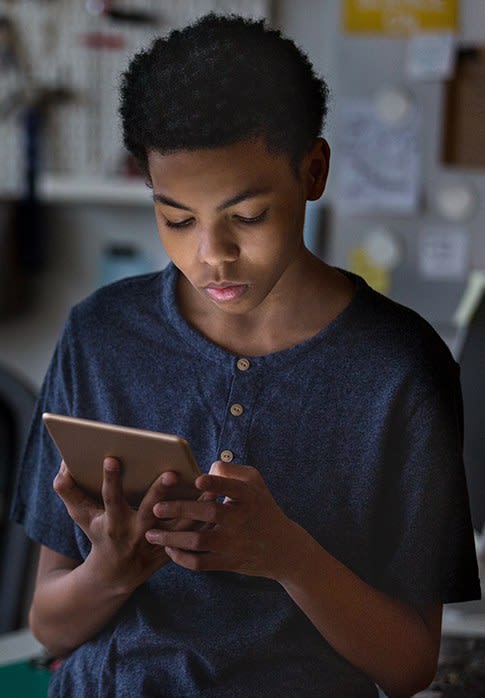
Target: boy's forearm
(70, 606)
(385, 638)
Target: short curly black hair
(221, 80)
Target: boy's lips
(225, 292)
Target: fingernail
(151, 536)
(166, 479)
(110, 464)
(158, 510)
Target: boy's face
(231, 219)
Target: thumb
(233, 470)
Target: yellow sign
(400, 17)
(375, 275)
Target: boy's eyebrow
(242, 196)
(161, 198)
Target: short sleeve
(427, 537)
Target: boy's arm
(73, 600)
(71, 603)
(393, 642)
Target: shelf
(116, 191)
(457, 623)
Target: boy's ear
(316, 166)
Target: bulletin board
(62, 50)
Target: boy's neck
(293, 317)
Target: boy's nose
(217, 246)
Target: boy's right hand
(120, 550)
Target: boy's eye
(246, 220)
(178, 224)
(255, 219)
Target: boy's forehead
(244, 158)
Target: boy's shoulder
(393, 332)
(131, 307)
(382, 314)
(125, 296)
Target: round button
(236, 409)
(243, 364)
(227, 455)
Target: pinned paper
(383, 247)
(430, 56)
(393, 105)
(379, 159)
(456, 202)
(400, 17)
(376, 275)
(443, 253)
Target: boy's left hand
(246, 533)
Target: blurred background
(405, 199)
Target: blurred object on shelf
(22, 234)
(120, 260)
(13, 282)
(461, 669)
(102, 40)
(9, 54)
(108, 9)
(84, 46)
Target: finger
(194, 541)
(223, 486)
(198, 562)
(159, 490)
(167, 486)
(207, 497)
(203, 511)
(66, 487)
(112, 488)
(167, 479)
(246, 473)
(162, 514)
(80, 506)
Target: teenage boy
(333, 520)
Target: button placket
(233, 438)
